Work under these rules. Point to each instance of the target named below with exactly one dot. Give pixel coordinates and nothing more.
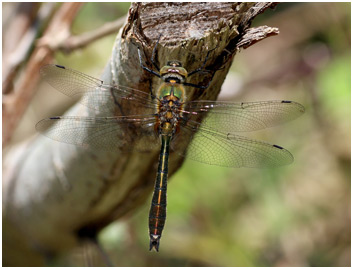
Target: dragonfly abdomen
(158, 211)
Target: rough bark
(54, 193)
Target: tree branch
(16, 102)
(80, 41)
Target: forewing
(240, 117)
(93, 93)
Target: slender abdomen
(158, 209)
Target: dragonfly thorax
(169, 115)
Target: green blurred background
(297, 215)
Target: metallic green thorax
(171, 89)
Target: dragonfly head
(154, 241)
(173, 71)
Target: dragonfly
(169, 122)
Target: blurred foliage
(297, 215)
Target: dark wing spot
(287, 102)
(60, 66)
(55, 118)
(277, 147)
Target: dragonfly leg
(153, 56)
(203, 87)
(201, 69)
(151, 91)
(144, 67)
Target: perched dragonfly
(169, 122)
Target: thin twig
(79, 41)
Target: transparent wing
(240, 117)
(102, 133)
(93, 92)
(229, 150)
